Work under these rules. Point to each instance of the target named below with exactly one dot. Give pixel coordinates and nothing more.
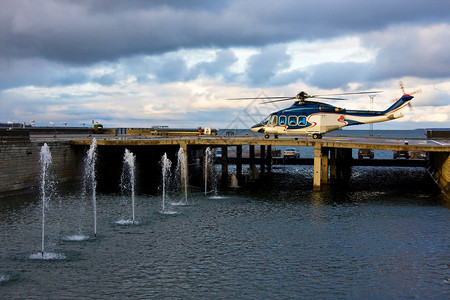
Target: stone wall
(440, 171)
(20, 165)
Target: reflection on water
(383, 235)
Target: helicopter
(315, 118)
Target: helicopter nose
(257, 128)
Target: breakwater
(19, 161)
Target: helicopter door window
(282, 121)
(302, 121)
(292, 120)
(273, 120)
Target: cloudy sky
(143, 63)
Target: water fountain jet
(46, 161)
(208, 155)
(46, 189)
(166, 164)
(210, 172)
(181, 176)
(128, 179)
(89, 178)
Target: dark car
(398, 154)
(365, 153)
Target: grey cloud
(404, 51)
(336, 75)
(47, 43)
(412, 52)
(171, 69)
(38, 72)
(262, 67)
(286, 78)
(86, 32)
(224, 59)
(119, 6)
(435, 98)
(23, 72)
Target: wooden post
(317, 166)
(347, 164)
(252, 153)
(269, 158)
(332, 164)
(254, 175)
(224, 165)
(324, 177)
(262, 158)
(239, 162)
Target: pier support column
(324, 177)
(239, 163)
(343, 164)
(262, 158)
(254, 175)
(224, 165)
(269, 158)
(317, 166)
(332, 164)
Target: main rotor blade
(352, 93)
(279, 100)
(329, 98)
(262, 98)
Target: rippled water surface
(384, 235)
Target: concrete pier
(332, 155)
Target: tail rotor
(402, 86)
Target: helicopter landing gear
(266, 136)
(276, 136)
(316, 136)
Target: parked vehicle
(398, 154)
(418, 155)
(365, 153)
(291, 153)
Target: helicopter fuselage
(316, 118)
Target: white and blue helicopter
(306, 117)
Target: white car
(291, 152)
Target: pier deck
(327, 142)
(332, 154)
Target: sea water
(384, 234)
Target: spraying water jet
(128, 180)
(46, 161)
(166, 164)
(46, 189)
(89, 178)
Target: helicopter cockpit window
(301, 121)
(292, 120)
(265, 121)
(273, 120)
(282, 120)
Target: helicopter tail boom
(366, 117)
(399, 104)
